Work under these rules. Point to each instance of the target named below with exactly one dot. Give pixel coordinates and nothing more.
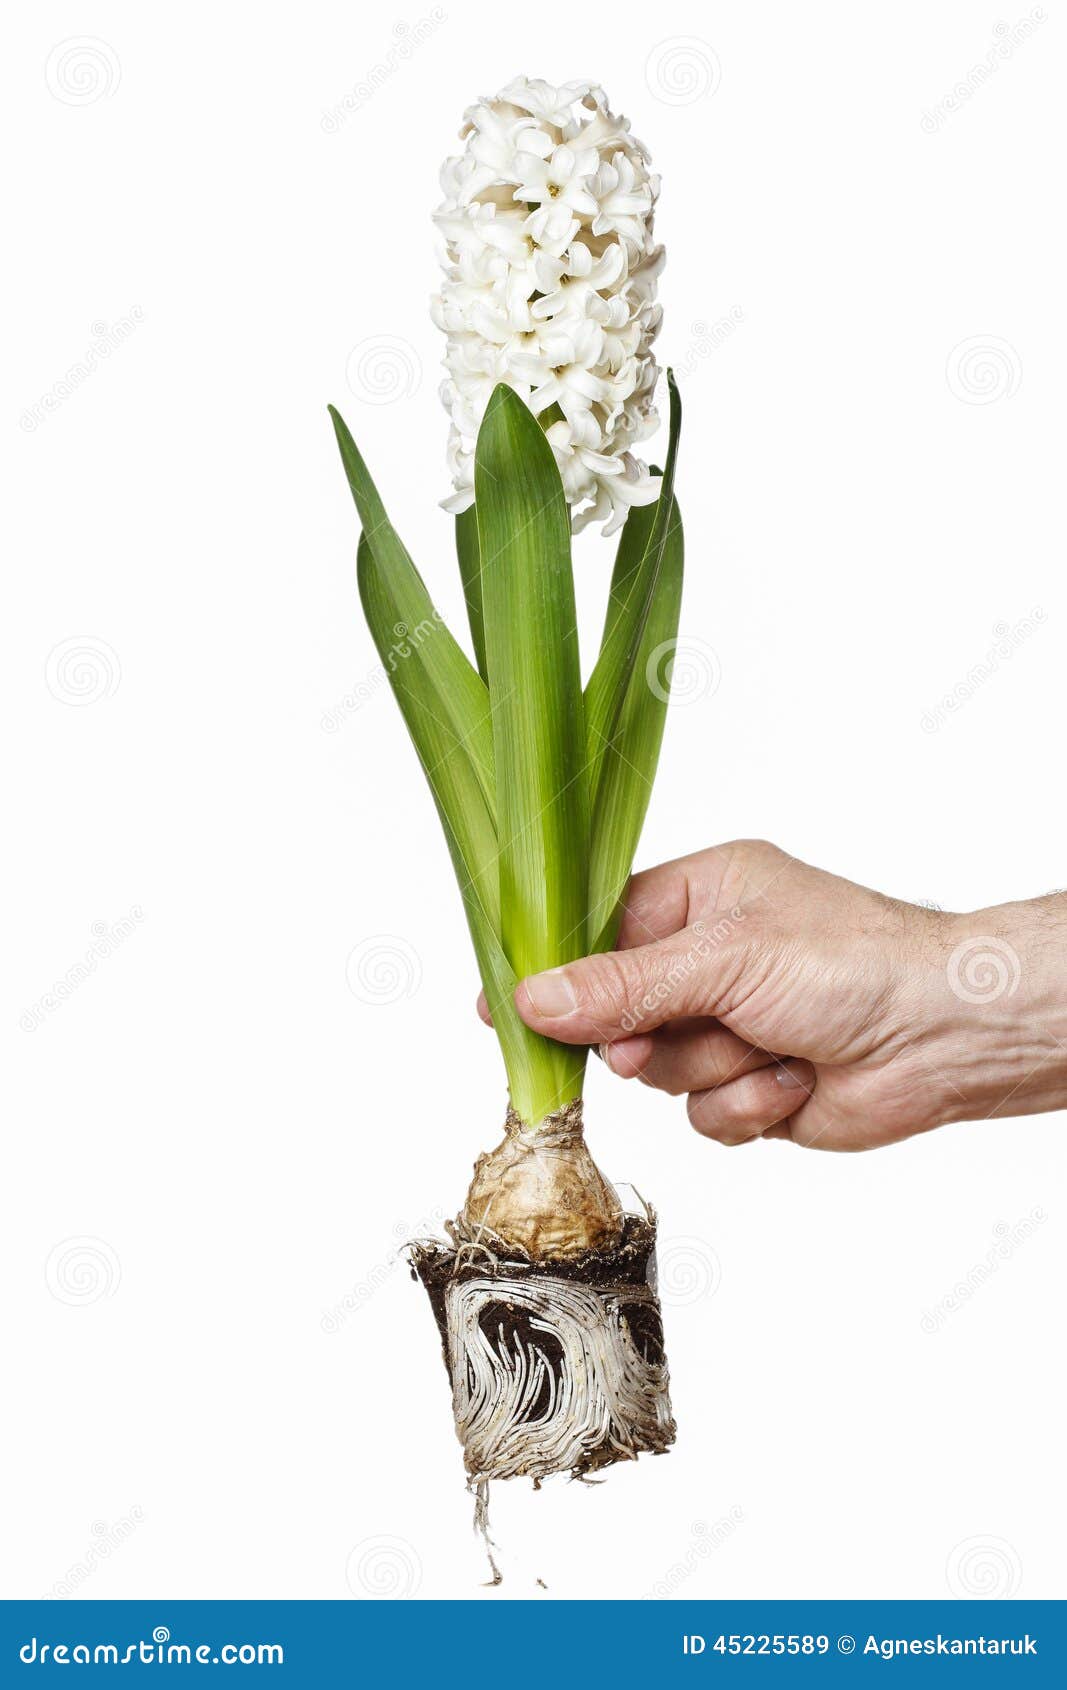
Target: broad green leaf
(635, 538)
(538, 1080)
(535, 694)
(463, 700)
(534, 687)
(446, 761)
(632, 591)
(629, 763)
(470, 570)
(472, 842)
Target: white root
(547, 1309)
(547, 1376)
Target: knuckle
(721, 1056)
(755, 847)
(746, 1098)
(639, 888)
(749, 859)
(701, 1107)
(665, 1077)
(663, 1072)
(614, 989)
(730, 1112)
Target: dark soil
(630, 1263)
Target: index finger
(656, 905)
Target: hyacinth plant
(545, 1293)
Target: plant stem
(551, 1075)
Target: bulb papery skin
(541, 1193)
(551, 269)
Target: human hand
(789, 1003)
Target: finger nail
(605, 1057)
(552, 994)
(787, 1077)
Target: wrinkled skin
(789, 1003)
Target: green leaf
(465, 816)
(534, 687)
(531, 647)
(445, 705)
(461, 694)
(446, 761)
(632, 590)
(470, 570)
(629, 763)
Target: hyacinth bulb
(550, 286)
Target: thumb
(610, 996)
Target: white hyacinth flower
(550, 286)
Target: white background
(233, 1365)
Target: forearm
(998, 1011)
